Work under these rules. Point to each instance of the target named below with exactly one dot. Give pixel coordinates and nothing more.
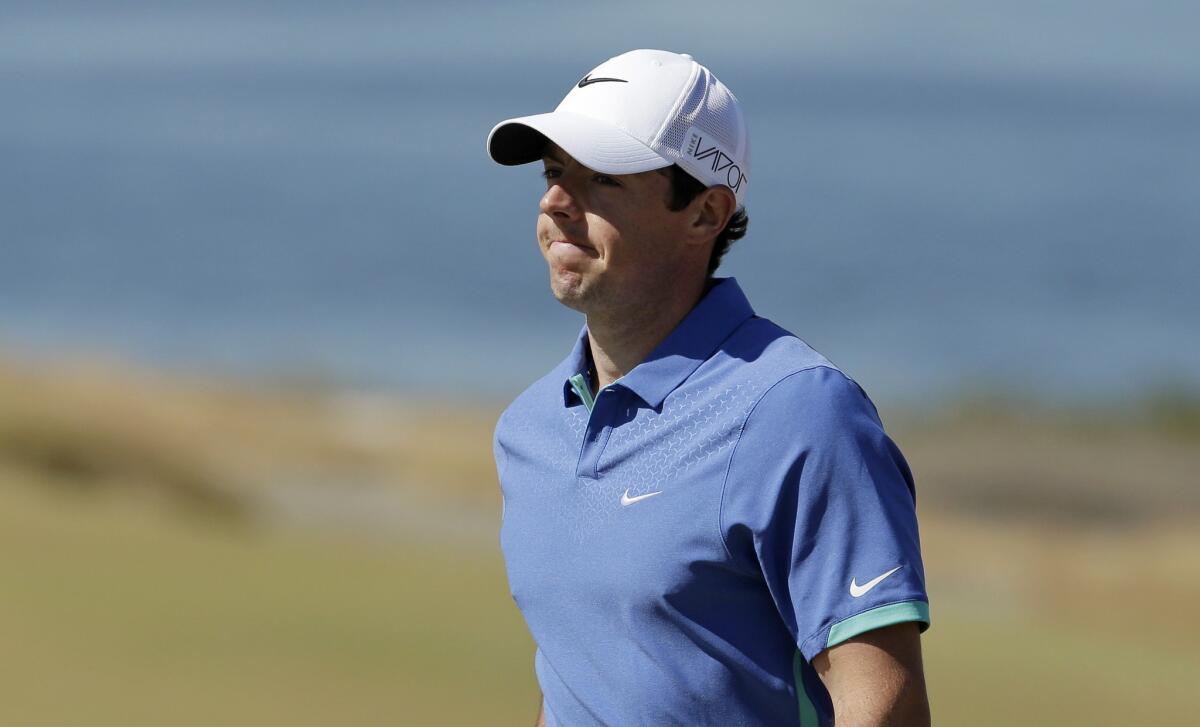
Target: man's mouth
(566, 249)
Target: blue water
(183, 187)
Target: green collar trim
(584, 389)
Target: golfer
(704, 521)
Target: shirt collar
(719, 312)
(579, 361)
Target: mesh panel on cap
(716, 122)
(710, 108)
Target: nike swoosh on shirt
(626, 500)
(857, 591)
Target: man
(704, 522)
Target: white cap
(643, 110)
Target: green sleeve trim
(808, 712)
(877, 618)
(584, 389)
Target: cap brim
(595, 144)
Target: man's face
(609, 240)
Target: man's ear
(710, 212)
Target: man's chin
(570, 290)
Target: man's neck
(621, 339)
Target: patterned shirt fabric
(682, 544)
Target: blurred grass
(146, 581)
(1055, 625)
(191, 439)
(111, 614)
(1002, 672)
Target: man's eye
(606, 180)
(550, 173)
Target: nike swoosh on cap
(588, 80)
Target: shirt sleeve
(819, 503)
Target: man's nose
(559, 202)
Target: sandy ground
(208, 552)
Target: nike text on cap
(643, 110)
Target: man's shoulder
(780, 365)
(544, 394)
(763, 351)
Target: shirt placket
(596, 434)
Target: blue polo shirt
(683, 543)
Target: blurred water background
(944, 195)
(262, 295)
